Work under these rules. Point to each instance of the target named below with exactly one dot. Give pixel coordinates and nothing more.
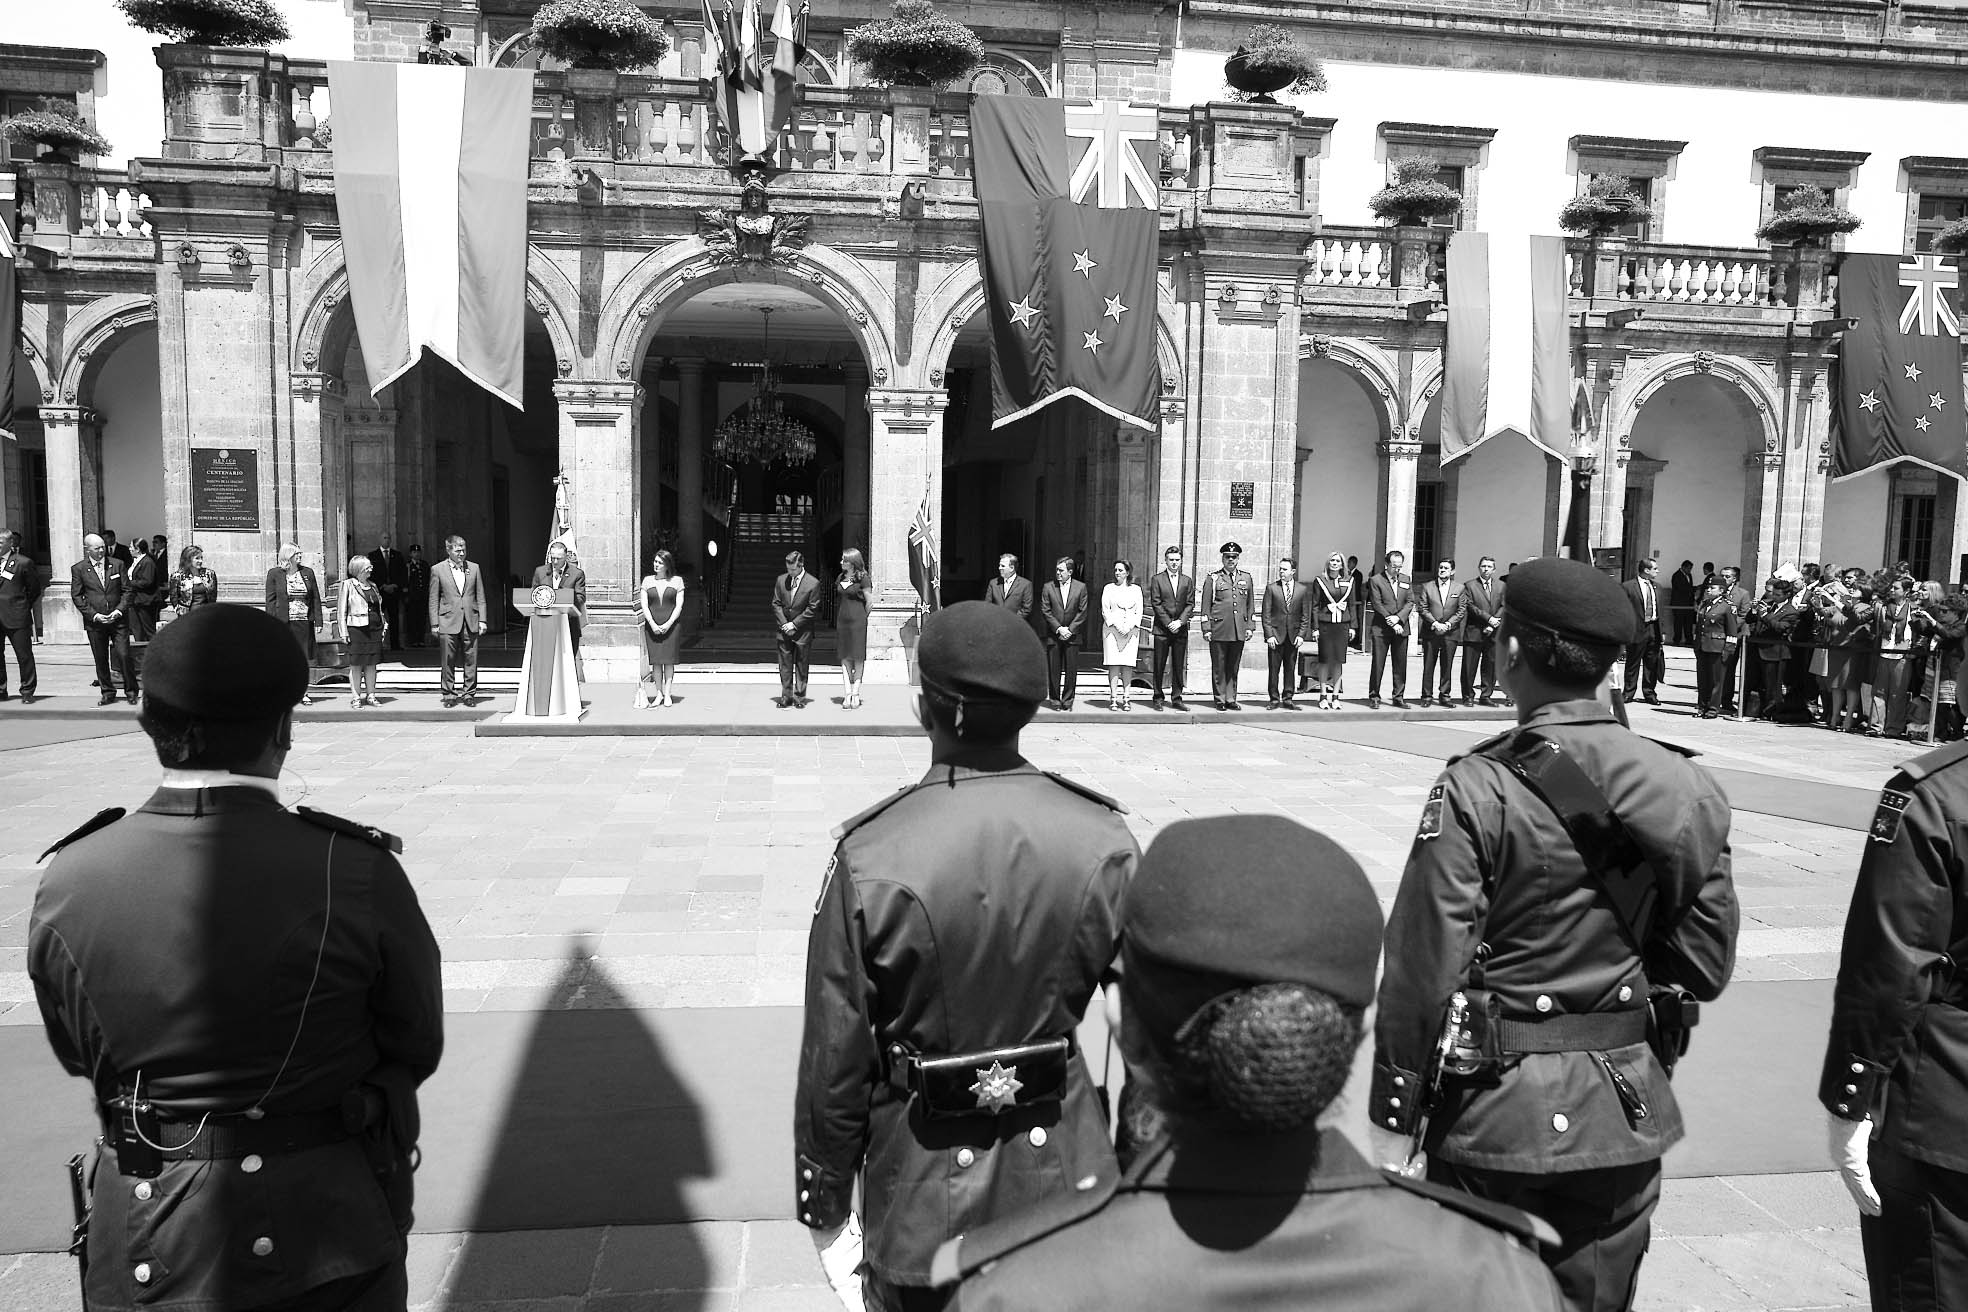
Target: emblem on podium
(543, 598)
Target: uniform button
(1038, 1136)
(1544, 1002)
(254, 1113)
(1560, 1122)
(262, 1246)
(1393, 1102)
(250, 1163)
(1400, 1082)
(142, 1273)
(143, 1191)
(1393, 1122)
(1626, 993)
(1844, 1107)
(1858, 1068)
(805, 1196)
(1851, 1088)
(964, 1158)
(806, 1175)
(807, 1217)
(1086, 1182)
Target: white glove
(840, 1258)
(1848, 1143)
(1391, 1151)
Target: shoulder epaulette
(1484, 748)
(1092, 795)
(100, 820)
(367, 833)
(1932, 762)
(1498, 1216)
(854, 822)
(1689, 752)
(970, 1253)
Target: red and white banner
(1509, 365)
(430, 184)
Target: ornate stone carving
(881, 375)
(1763, 460)
(1174, 409)
(309, 359)
(936, 378)
(564, 367)
(1400, 449)
(860, 315)
(621, 368)
(1170, 383)
(239, 258)
(1227, 297)
(1704, 362)
(187, 255)
(1273, 296)
(752, 236)
(1321, 344)
(27, 348)
(1824, 456)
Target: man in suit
(21, 582)
(417, 619)
(1643, 654)
(1390, 605)
(1172, 602)
(1064, 609)
(1438, 606)
(1681, 601)
(570, 584)
(1359, 602)
(1482, 616)
(457, 617)
(1284, 619)
(1739, 601)
(117, 551)
(99, 587)
(795, 609)
(392, 579)
(146, 597)
(1229, 615)
(1010, 589)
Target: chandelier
(759, 432)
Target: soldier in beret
(253, 994)
(1563, 872)
(1249, 946)
(962, 926)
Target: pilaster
(321, 470)
(1762, 499)
(690, 439)
(1400, 471)
(601, 456)
(906, 466)
(74, 451)
(854, 473)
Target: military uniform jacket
(1493, 864)
(1717, 626)
(179, 942)
(1228, 606)
(1256, 1221)
(1898, 1048)
(976, 909)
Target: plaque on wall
(225, 489)
(1243, 501)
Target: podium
(549, 690)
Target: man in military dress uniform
(1895, 1082)
(961, 929)
(254, 996)
(1566, 1110)
(1228, 611)
(1249, 945)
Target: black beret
(1571, 599)
(1229, 547)
(976, 652)
(226, 662)
(1230, 902)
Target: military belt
(986, 1082)
(1594, 1031)
(238, 1136)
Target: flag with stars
(1069, 202)
(1899, 390)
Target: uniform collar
(968, 762)
(1585, 710)
(199, 792)
(1199, 1159)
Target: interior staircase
(745, 633)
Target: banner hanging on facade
(10, 303)
(1899, 369)
(1509, 353)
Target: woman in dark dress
(293, 596)
(660, 602)
(1332, 607)
(359, 614)
(851, 624)
(193, 585)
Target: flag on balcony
(430, 185)
(10, 316)
(922, 557)
(1069, 203)
(1509, 352)
(1899, 370)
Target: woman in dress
(359, 607)
(851, 624)
(1333, 610)
(293, 595)
(660, 600)
(1120, 634)
(193, 585)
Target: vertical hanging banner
(1509, 351)
(1069, 203)
(430, 186)
(10, 316)
(1899, 370)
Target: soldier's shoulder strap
(1489, 747)
(1897, 795)
(854, 822)
(1677, 748)
(1497, 1216)
(1072, 786)
(100, 820)
(350, 828)
(970, 1253)
(1935, 761)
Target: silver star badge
(1023, 311)
(1913, 372)
(1083, 264)
(1092, 342)
(997, 1088)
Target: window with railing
(1646, 164)
(1933, 213)
(1936, 195)
(1459, 150)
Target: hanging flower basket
(1953, 239)
(58, 126)
(208, 22)
(1270, 59)
(1806, 217)
(1605, 206)
(598, 34)
(915, 47)
(1416, 196)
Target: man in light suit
(21, 582)
(1438, 611)
(99, 586)
(795, 609)
(1228, 611)
(570, 584)
(392, 579)
(1064, 608)
(1482, 616)
(1390, 606)
(1739, 601)
(457, 617)
(1171, 601)
(1285, 604)
(1643, 654)
(1010, 589)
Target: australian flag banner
(1899, 388)
(1070, 208)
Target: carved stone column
(1134, 517)
(690, 442)
(1762, 495)
(906, 465)
(1400, 471)
(854, 474)
(321, 470)
(601, 455)
(74, 452)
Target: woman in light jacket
(1120, 632)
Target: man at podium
(570, 585)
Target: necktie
(1650, 600)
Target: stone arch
(1424, 387)
(1745, 378)
(1372, 367)
(634, 312)
(91, 333)
(38, 377)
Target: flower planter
(1257, 81)
(910, 107)
(224, 104)
(1411, 257)
(51, 200)
(594, 91)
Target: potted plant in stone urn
(1605, 206)
(1953, 239)
(252, 23)
(1271, 59)
(1416, 196)
(1807, 217)
(601, 34)
(914, 47)
(57, 127)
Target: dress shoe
(1469, 701)
(1065, 706)
(1485, 701)
(1400, 705)
(1179, 704)
(782, 702)
(449, 702)
(107, 699)
(6, 696)
(1653, 700)
(1272, 705)
(1157, 704)
(1421, 701)
(131, 698)
(1233, 706)
(1373, 703)
(1289, 704)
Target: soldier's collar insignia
(1886, 820)
(997, 1088)
(1431, 815)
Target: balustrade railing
(110, 206)
(1370, 257)
(720, 491)
(1687, 275)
